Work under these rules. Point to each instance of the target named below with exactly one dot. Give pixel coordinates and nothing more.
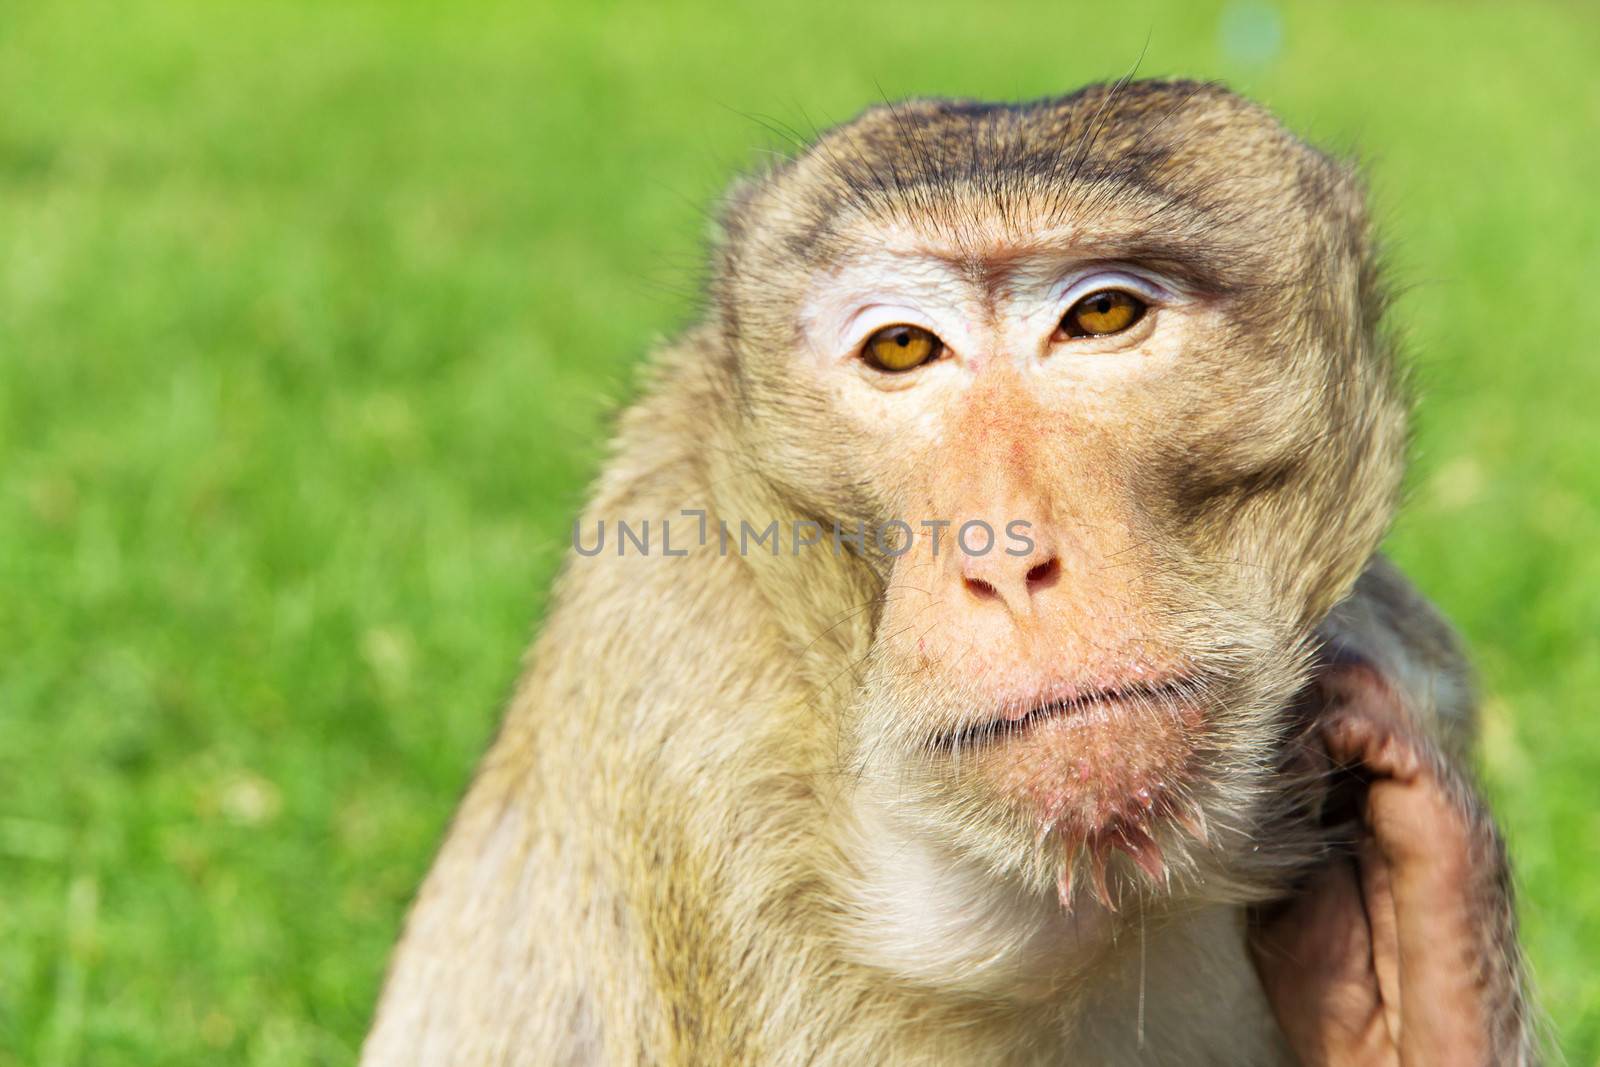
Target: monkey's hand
(1398, 954)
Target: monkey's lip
(1085, 707)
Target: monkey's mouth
(1085, 709)
(1098, 770)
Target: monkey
(1180, 774)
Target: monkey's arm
(1405, 952)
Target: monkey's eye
(1104, 312)
(900, 348)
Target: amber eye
(900, 348)
(1107, 311)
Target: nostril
(980, 588)
(1044, 575)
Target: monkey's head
(1116, 361)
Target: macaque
(1174, 772)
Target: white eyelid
(1152, 291)
(874, 317)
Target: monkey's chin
(1103, 773)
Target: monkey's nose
(1014, 580)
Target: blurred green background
(310, 319)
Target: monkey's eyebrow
(1207, 252)
(1199, 264)
(1200, 261)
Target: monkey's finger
(1378, 899)
(1381, 752)
(1426, 849)
(1315, 964)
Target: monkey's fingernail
(1064, 886)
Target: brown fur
(730, 788)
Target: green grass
(310, 317)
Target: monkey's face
(1134, 419)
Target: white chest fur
(1179, 989)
